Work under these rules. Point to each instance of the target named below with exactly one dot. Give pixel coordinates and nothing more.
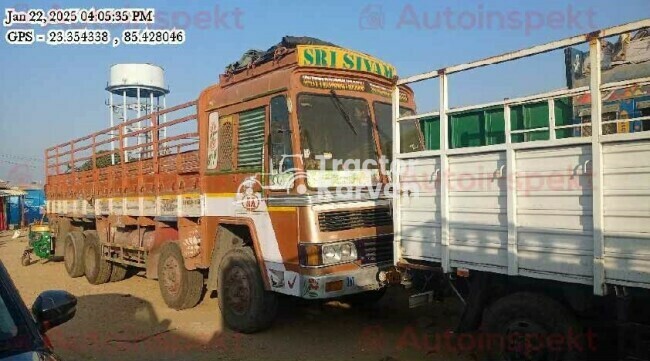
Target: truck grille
(332, 221)
(376, 249)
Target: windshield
(337, 141)
(411, 136)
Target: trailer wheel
(98, 270)
(245, 305)
(180, 288)
(118, 273)
(74, 253)
(522, 325)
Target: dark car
(21, 332)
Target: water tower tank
(148, 78)
(136, 90)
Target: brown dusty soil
(129, 320)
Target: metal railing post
(71, 159)
(551, 119)
(511, 196)
(58, 166)
(94, 155)
(597, 163)
(156, 149)
(444, 173)
(395, 177)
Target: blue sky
(49, 95)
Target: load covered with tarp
(255, 57)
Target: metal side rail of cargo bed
(542, 202)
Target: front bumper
(341, 284)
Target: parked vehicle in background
(235, 193)
(22, 335)
(622, 60)
(535, 211)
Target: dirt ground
(129, 320)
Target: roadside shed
(12, 205)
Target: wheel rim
(171, 276)
(68, 255)
(238, 291)
(516, 346)
(89, 259)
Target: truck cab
(306, 160)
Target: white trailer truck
(533, 214)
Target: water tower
(135, 91)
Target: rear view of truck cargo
(535, 210)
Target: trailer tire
(180, 288)
(74, 254)
(245, 305)
(98, 270)
(530, 319)
(118, 273)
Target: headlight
(326, 254)
(339, 252)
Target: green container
(486, 126)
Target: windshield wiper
(346, 116)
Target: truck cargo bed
(551, 217)
(531, 186)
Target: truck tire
(245, 305)
(118, 273)
(97, 270)
(74, 253)
(530, 319)
(61, 227)
(180, 288)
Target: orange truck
(245, 191)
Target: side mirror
(53, 308)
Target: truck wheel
(118, 273)
(180, 288)
(523, 325)
(245, 305)
(73, 253)
(97, 270)
(62, 227)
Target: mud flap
(475, 303)
(58, 246)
